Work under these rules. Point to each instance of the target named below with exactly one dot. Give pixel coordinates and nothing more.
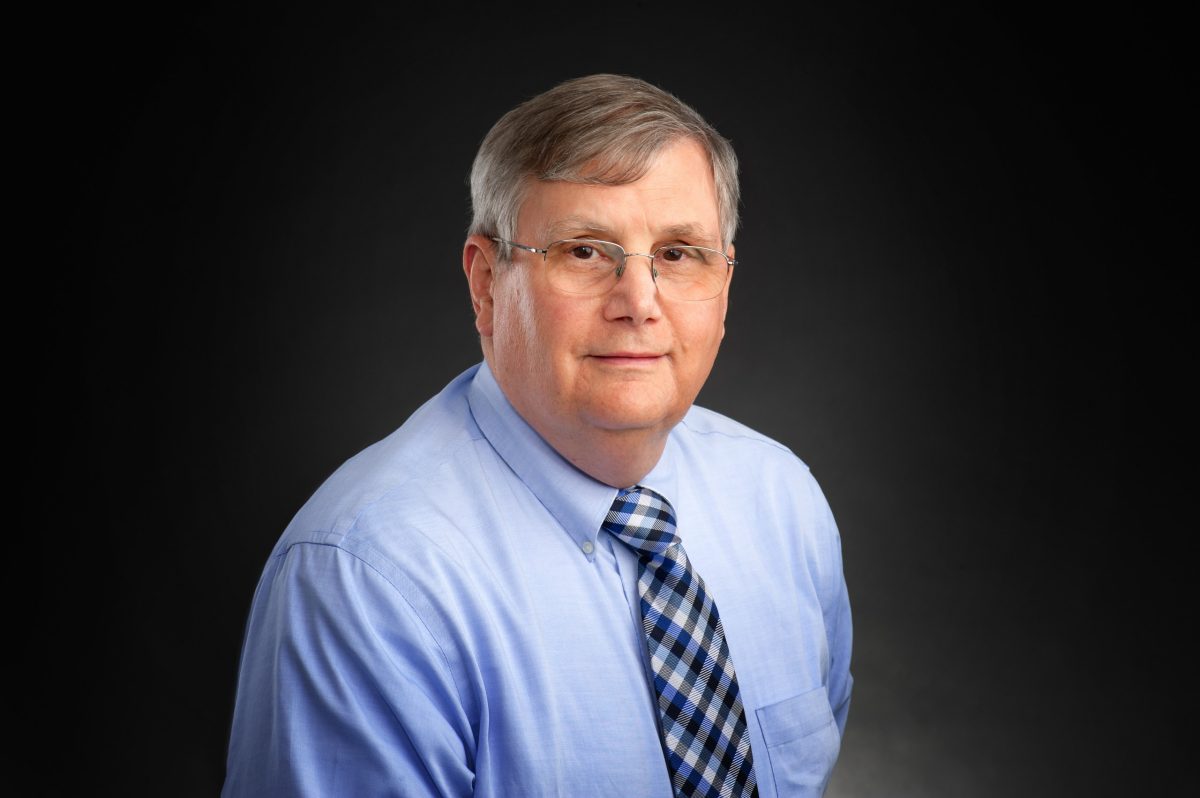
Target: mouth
(634, 359)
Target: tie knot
(643, 519)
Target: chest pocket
(802, 743)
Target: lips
(628, 358)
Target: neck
(615, 457)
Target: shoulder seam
(750, 435)
(399, 592)
(353, 521)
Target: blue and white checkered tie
(703, 722)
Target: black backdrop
(952, 223)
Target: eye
(682, 254)
(582, 252)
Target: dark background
(955, 303)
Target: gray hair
(600, 129)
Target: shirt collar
(577, 501)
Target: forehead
(675, 198)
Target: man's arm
(840, 629)
(344, 690)
(835, 603)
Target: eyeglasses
(586, 266)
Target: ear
(479, 259)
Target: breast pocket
(802, 742)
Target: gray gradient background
(942, 308)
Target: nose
(625, 265)
(635, 296)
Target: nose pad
(653, 269)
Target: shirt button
(587, 547)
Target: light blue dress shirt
(445, 616)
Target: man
(559, 577)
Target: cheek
(514, 330)
(558, 329)
(532, 333)
(702, 334)
(700, 338)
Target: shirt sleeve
(839, 627)
(343, 689)
(838, 622)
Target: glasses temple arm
(518, 246)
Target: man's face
(626, 360)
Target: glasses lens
(691, 273)
(588, 266)
(583, 265)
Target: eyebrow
(690, 231)
(572, 226)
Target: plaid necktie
(703, 722)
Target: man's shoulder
(423, 457)
(739, 470)
(723, 436)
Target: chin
(633, 416)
